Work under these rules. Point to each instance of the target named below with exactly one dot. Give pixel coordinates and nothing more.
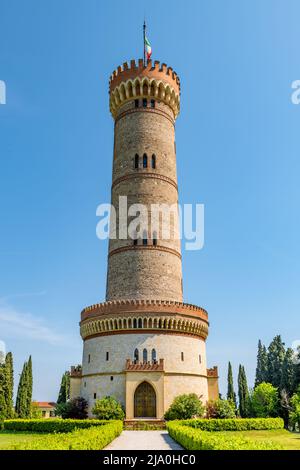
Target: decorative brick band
(132, 366)
(144, 174)
(144, 305)
(136, 323)
(145, 247)
(145, 110)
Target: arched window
(152, 103)
(136, 355)
(136, 161)
(154, 240)
(145, 355)
(134, 323)
(135, 241)
(144, 102)
(145, 161)
(153, 355)
(140, 323)
(153, 161)
(145, 238)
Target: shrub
(35, 411)
(108, 408)
(264, 400)
(185, 407)
(196, 439)
(50, 425)
(220, 409)
(94, 438)
(237, 424)
(73, 409)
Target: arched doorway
(145, 401)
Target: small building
(47, 408)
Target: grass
(9, 438)
(288, 440)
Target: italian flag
(148, 49)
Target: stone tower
(143, 345)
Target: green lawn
(9, 438)
(288, 440)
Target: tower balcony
(136, 366)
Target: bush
(73, 409)
(108, 408)
(264, 400)
(35, 411)
(185, 407)
(220, 409)
(196, 439)
(237, 424)
(94, 438)
(50, 425)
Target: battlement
(158, 71)
(213, 372)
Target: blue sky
(237, 149)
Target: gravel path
(144, 440)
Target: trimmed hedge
(244, 424)
(196, 439)
(93, 438)
(51, 425)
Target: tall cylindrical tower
(144, 345)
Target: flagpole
(144, 31)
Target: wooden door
(145, 401)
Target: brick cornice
(144, 174)
(145, 110)
(144, 247)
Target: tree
(29, 383)
(230, 387)
(262, 364)
(73, 409)
(64, 391)
(243, 391)
(297, 368)
(24, 395)
(21, 394)
(3, 409)
(185, 406)
(276, 355)
(220, 409)
(35, 412)
(288, 373)
(264, 400)
(108, 408)
(9, 385)
(295, 409)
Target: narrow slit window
(152, 103)
(107, 355)
(153, 356)
(136, 161)
(182, 356)
(136, 355)
(135, 241)
(145, 161)
(153, 161)
(200, 359)
(145, 355)
(144, 102)
(154, 239)
(145, 238)
(95, 396)
(136, 103)
(89, 358)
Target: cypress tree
(29, 383)
(21, 402)
(64, 391)
(230, 387)
(276, 355)
(243, 392)
(3, 408)
(9, 385)
(288, 378)
(262, 364)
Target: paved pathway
(144, 440)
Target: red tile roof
(45, 404)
